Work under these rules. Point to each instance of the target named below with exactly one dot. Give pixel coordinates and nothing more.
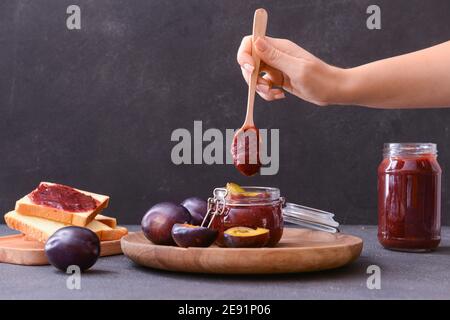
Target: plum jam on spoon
(246, 141)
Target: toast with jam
(62, 204)
(53, 206)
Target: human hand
(287, 66)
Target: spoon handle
(259, 30)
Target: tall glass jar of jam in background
(409, 197)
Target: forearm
(414, 80)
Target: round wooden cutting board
(17, 249)
(300, 250)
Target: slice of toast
(109, 221)
(114, 234)
(27, 207)
(41, 229)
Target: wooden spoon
(246, 139)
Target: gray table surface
(403, 275)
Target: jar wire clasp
(216, 207)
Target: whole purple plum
(158, 222)
(197, 207)
(73, 246)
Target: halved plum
(187, 235)
(235, 191)
(244, 237)
(234, 188)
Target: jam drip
(245, 151)
(62, 197)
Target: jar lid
(310, 218)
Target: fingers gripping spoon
(245, 147)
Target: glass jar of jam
(262, 207)
(257, 207)
(409, 197)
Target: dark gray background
(95, 108)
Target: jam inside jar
(257, 207)
(409, 197)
